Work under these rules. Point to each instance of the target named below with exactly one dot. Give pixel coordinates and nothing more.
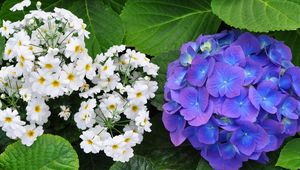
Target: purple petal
(234, 56)
(208, 133)
(248, 42)
(171, 107)
(199, 71)
(177, 80)
(225, 80)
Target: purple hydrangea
(234, 96)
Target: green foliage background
(157, 28)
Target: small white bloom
(31, 134)
(85, 119)
(11, 123)
(20, 6)
(137, 93)
(86, 68)
(6, 29)
(65, 112)
(38, 111)
(133, 109)
(143, 121)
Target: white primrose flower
(85, 119)
(6, 29)
(133, 109)
(37, 111)
(20, 6)
(31, 134)
(93, 140)
(86, 68)
(11, 123)
(71, 77)
(143, 121)
(138, 93)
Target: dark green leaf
(292, 39)
(162, 61)
(156, 26)
(259, 15)
(290, 155)
(135, 163)
(48, 152)
(116, 5)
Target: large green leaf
(48, 152)
(259, 15)
(290, 155)
(156, 26)
(116, 5)
(102, 21)
(292, 39)
(162, 61)
(135, 163)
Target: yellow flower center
(42, 80)
(22, 58)
(19, 43)
(127, 140)
(9, 51)
(88, 67)
(30, 48)
(112, 107)
(55, 83)
(90, 142)
(48, 66)
(78, 49)
(105, 68)
(5, 28)
(71, 77)
(8, 119)
(115, 147)
(134, 108)
(30, 133)
(37, 108)
(139, 94)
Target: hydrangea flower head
(234, 96)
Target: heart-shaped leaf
(259, 15)
(48, 152)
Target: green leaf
(292, 39)
(203, 165)
(156, 26)
(290, 155)
(259, 15)
(135, 163)
(116, 5)
(162, 61)
(48, 152)
(2, 45)
(4, 141)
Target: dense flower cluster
(234, 96)
(114, 115)
(45, 58)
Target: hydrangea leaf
(162, 61)
(292, 39)
(48, 152)
(116, 5)
(290, 155)
(137, 162)
(259, 15)
(156, 26)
